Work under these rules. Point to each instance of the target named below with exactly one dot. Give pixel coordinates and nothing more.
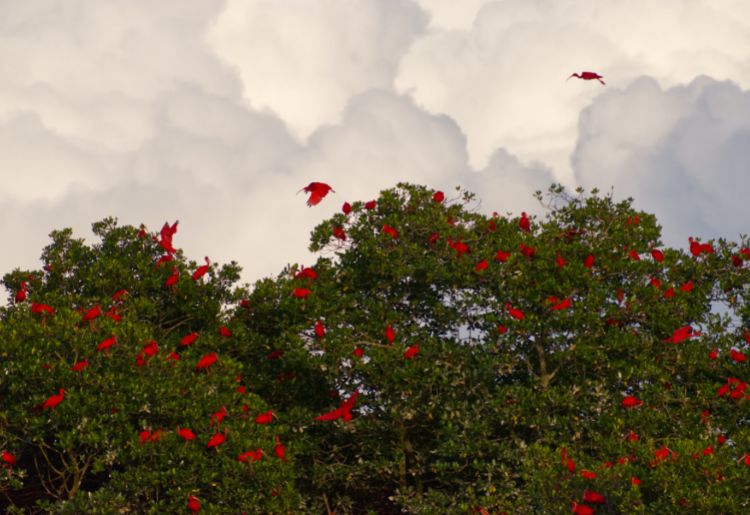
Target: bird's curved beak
(566, 80)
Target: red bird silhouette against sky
(317, 191)
(587, 76)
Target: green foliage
(466, 406)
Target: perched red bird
(216, 440)
(558, 305)
(106, 344)
(9, 459)
(279, 449)
(301, 293)
(92, 314)
(393, 233)
(438, 197)
(658, 255)
(201, 271)
(523, 223)
(317, 191)
(21, 294)
(185, 433)
(264, 418)
(346, 208)
(306, 273)
(411, 351)
(225, 332)
(502, 256)
(320, 329)
(164, 259)
(255, 455)
(172, 279)
(193, 504)
(206, 361)
(737, 356)
(588, 262)
(581, 509)
(587, 76)
(54, 400)
(593, 497)
(390, 334)
(218, 416)
(631, 401)
(80, 366)
(188, 339)
(681, 334)
(515, 313)
(41, 308)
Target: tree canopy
(434, 359)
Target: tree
(433, 359)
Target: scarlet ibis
(279, 449)
(587, 76)
(317, 191)
(21, 294)
(523, 223)
(264, 418)
(185, 433)
(216, 440)
(54, 400)
(201, 271)
(193, 504)
(10, 460)
(412, 351)
(438, 197)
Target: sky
(217, 113)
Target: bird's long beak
(566, 80)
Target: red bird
(631, 402)
(320, 329)
(92, 314)
(393, 233)
(559, 305)
(515, 313)
(279, 449)
(206, 361)
(42, 308)
(390, 334)
(9, 459)
(188, 339)
(193, 504)
(737, 356)
(54, 400)
(255, 455)
(185, 433)
(216, 440)
(106, 344)
(581, 509)
(344, 411)
(587, 76)
(411, 351)
(218, 416)
(681, 334)
(523, 223)
(308, 273)
(80, 366)
(172, 279)
(264, 418)
(317, 191)
(301, 293)
(225, 332)
(502, 256)
(593, 497)
(438, 197)
(21, 294)
(201, 271)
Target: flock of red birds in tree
(734, 388)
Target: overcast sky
(217, 113)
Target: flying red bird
(317, 191)
(54, 400)
(587, 76)
(344, 411)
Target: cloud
(682, 153)
(304, 59)
(502, 78)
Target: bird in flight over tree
(317, 191)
